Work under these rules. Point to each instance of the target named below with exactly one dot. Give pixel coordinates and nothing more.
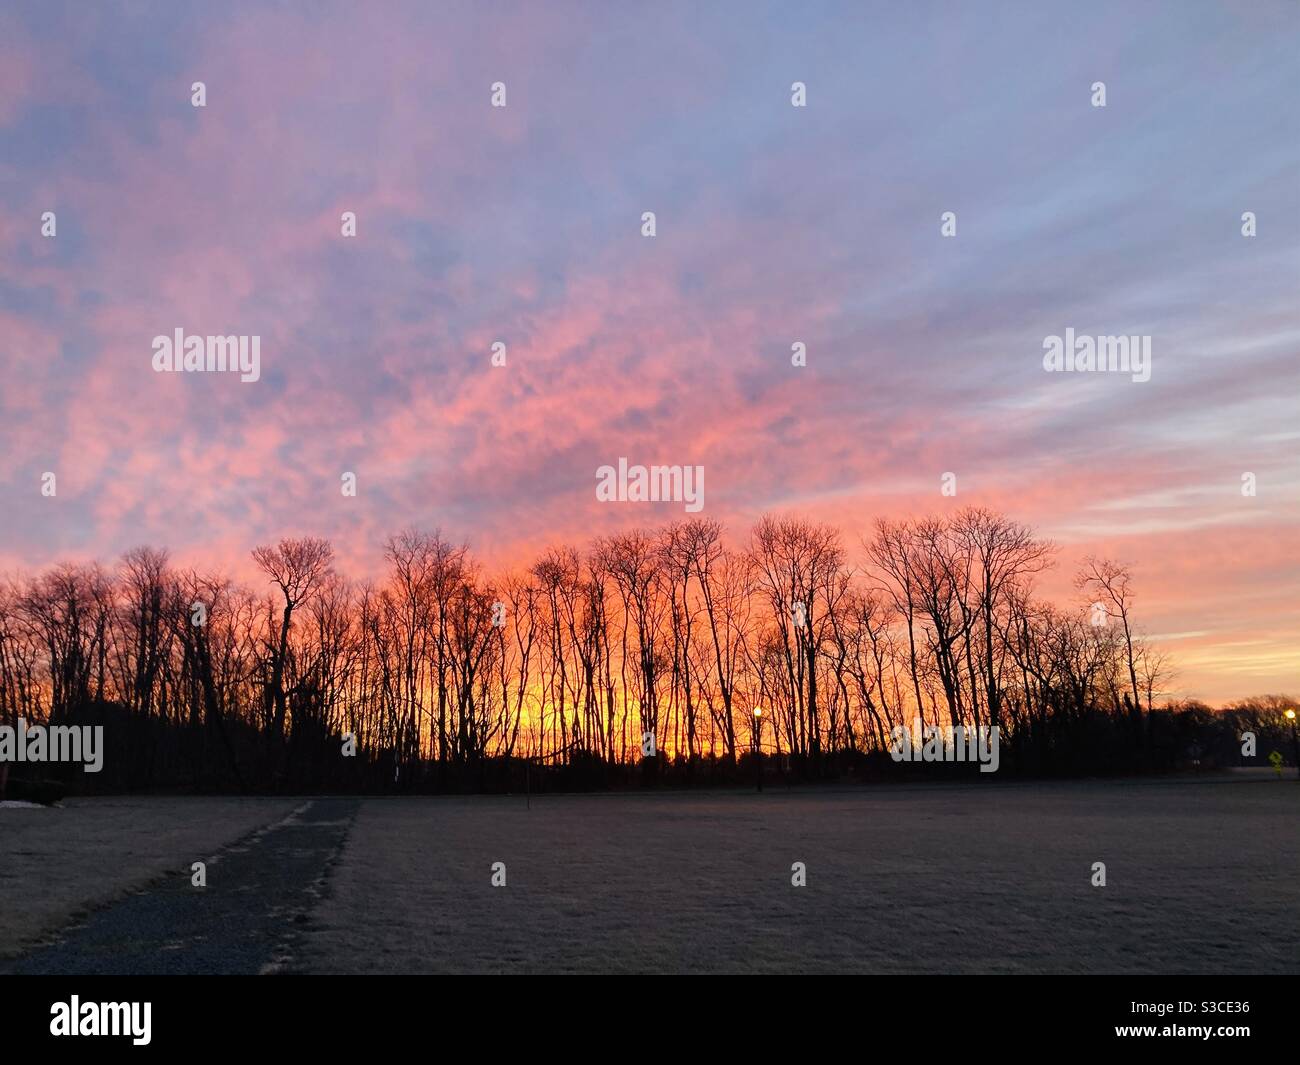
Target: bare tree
(1110, 583)
(298, 567)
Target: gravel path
(59, 863)
(248, 919)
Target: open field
(1202, 876)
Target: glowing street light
(1295, 741)
(758, 747)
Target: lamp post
(758, 747)
(1295, 741)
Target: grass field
(1202, 876)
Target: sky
(774, 225)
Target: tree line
(792, 643)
